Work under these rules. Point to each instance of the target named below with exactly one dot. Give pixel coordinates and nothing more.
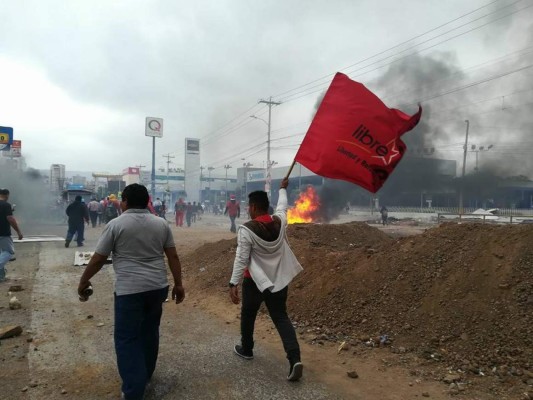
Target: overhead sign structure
(6, 138)
(154, 127)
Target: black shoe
(67, 243)
(80, 244)
(247, 355)
(295, 372)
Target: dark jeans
(94, 217)
(233, 228)
(276, 305)
(76, 227)
(137, 318)
(188, 218)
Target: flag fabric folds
(355, 136)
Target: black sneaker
(295, 372)
(247, 355)
(67, 243)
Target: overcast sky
(78, 78)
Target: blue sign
(6, 138)
(75, 186)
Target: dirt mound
(462, 294)
(211, 264)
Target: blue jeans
(137, 318)
(6, 252)
(73, 228)
(232, 228)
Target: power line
(304, 93)
(387, 50)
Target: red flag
(355, 136)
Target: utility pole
(168, 157)
(209, 169)
(140, 175)
(269, 103)
(246, 165)
(201, 178)
(464, 168)
(227, 166)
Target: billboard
(6, 137)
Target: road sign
(154, 127)
(6, 138)
(16, 148)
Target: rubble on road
(10, 331)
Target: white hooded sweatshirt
(272, 265)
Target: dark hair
(259, 199)
(4, 192)
(136, 195)
(77, 198)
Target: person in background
(7, 221)
(266, 265)
(93, 207)
(194, 211)
(77, 216)
(101, 208)
(384, 215)
(141, 285)
(163, 210)
(112, 208)
(188, 214)
(179, 211)
(157, 206)
(233, 209)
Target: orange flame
(305, 208)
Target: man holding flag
(268, 265)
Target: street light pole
(464, 168)
(269, 103)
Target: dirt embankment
(460, 296)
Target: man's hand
(178, 294)
(284, 183)
(20, 236)
(82, 286)
(234, 294)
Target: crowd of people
(190, 211)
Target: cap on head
(4, 192)
(112, 197)
(232, 197)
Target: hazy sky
(78, 78)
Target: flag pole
(290, 168)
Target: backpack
(111, 211)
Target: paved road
(71, 353)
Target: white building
(56, 177)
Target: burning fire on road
(306, 208)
